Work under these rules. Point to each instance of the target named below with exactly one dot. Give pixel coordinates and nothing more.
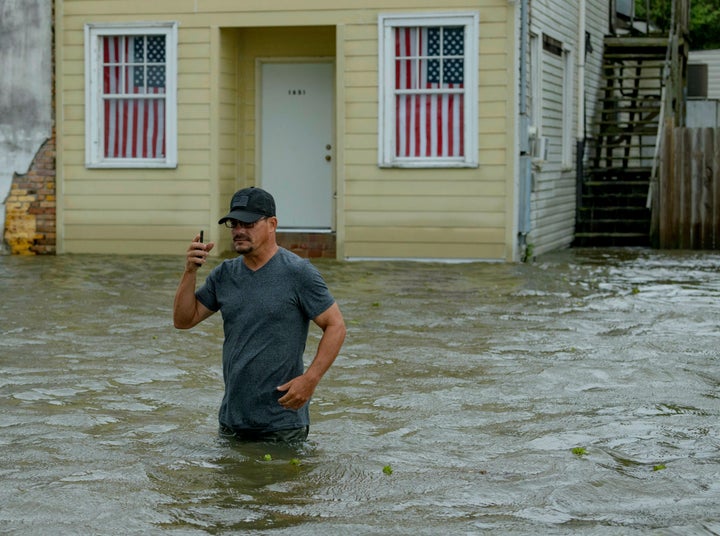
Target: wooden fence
(686, 197)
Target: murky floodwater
(576, 395)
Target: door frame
(259, 61)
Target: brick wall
(309, 245)
(30, 206)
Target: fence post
(705, 184)
(662, 200)
(715, 148)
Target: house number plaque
(296, 92)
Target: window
(551, 101)
(428, 91)
(535, 97)
(131, 95)
(567, 113)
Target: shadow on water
(579, 394)
(242, 488)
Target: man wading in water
(267, 297)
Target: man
(267, 296)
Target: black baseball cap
(249, 205)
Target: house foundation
(309, 245)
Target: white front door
(296, 142)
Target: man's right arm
(187, 310)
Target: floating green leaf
(659, 467)
(579, 451)
(387, 470)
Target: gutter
(581, 71)
(525, 168)
(580, 144)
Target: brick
(31, 206)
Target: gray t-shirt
(266, 315)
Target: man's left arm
(300, 389)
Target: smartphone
(201, 236)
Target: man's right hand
(187, 310)
(197, 254)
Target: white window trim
(568, 107)
(94, 157)
(538, 145)
(386, 113)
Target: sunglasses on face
(231, 224)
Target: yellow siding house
(386, 126)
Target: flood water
(579, 394)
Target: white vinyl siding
(555, 98)
(712, 59)
(555, 101)
(553, 197)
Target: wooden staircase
(612, 198)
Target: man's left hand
(297, 392)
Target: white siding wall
(596, 24)
(712, 59)
(554, 181)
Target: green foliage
(704, 20)
(387, 470)
(704, 24)
(660, 12)
(529, 250)
(579, 451)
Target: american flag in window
(429, 91)
(134, 89)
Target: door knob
(328, 158)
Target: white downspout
(581, 72)
(580, 135)
(525, 170)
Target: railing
(672, 101)
(625, 18)
(685, 178)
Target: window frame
(94, 121)
(536, 95)
(386, 89)
(568, 107)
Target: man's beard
(243, 247)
